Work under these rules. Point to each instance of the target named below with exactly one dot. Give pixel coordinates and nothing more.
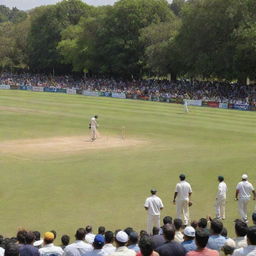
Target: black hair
(194, 224)
(143, 233)
(169, 232)
(182, 177)
(109, 237)
(65, 240)
(167, 219)
(177, 224)
(251, 235)
(54, 233)
(21, 236)
(101, 230)
(221, 178)
(80, 234)
(228, 250)
(224, 232)
(30, 237)
(202, 236)
(241, 228)
(202, 223)
(133, 237)
(128, 231)
(155, 231)
(216, 226)
(88, 229)
(11, 249)
(37, 235)
(146, 246)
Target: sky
(29, 4)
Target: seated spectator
(101, 230)
(194, 224)
(133, 241)
(55, 233)
(128, 230)
(108, 247)
(166, 220)
(189, 239)
(202, 237)
(28, 249)
(254, 218)
(216, 240)
(79, 247)
(1, 245)
(121, 240)
(98, 244)
(249, 250)
(156, 238)
(48, 247)
(12, 249)
(228, 247)
(202, 223)
(146, 247)
(178, 234)
(21, 238)
(241, 231)
(89, 237)
(143, 233)
(65, 241)
(171, 247)
(38, 241)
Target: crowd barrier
(122, 95)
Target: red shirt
(203, 252)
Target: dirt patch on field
(65, 145)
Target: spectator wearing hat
(189, 239)
(243, 194)
(221, 198)
(153, 205)
(98, 244)
(79, 247)
(171, 247)
(146, 247)
(38, 241)
(121, 240)
(28, 249)
(241, 229)
(254, 218)
(201, 239)
(48, 247)
(133, 241)
(108, 247)
(249, 250)
(183, 192)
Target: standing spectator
(133, 241)
(170, 248)
(241, 231)
(98, 244)
(202, 236)
(216, 240)
(221, 198)
(108, 247)
(189, 239)
(28, 249)
(153, 205)
(89, 237)
(65, 241)
(183, 193)
(178, 234)
(249, 250)
(49, 248)
(146, 247)
(243, 194)
(79, 247)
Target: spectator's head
(169, 232)
(96, 116)
(177, 224)
(182, 177)
(194, 224)
(146, 246)
(251, 235)
(167, 220)
(30, 237)
(48, 238)
(202, 236)
(227, 250)
(216, 226)
(128, 230)
(254, 218)
(220, 178)
(133, 238)
(240, 228)
(189, 233)
(109, 237)
(202, 223)
(80, 234)
(55, 233)
(121, 238)
(153, 191)
(224, 232)
(143, 233)
(21, 236)
(65, 239)
(11, 249)
(99, 241)
(155, 231)
(37, 235)
(244, 177)
(101, 230)
(88, 229)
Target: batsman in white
(93, 125)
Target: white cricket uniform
(154, 205)
(221, 200)
(94, 126)
(185, 105)
(245, 189)
(183, 189)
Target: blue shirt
(216, 242)
(134, 247)
(189, 245)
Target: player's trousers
(220, 208)
(152, 221)
(242, 207)
(93, 133)
(182, 210)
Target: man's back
(245, 188)
(157, 240)
(29, 250)
(154, 204)
(222, 190)
(203, 252)
(183, 189)
(171, 249)
(123, 251)
(77, 248)
(50, 249)
(216, 242)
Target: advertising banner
(23, 87)
(90, 93)
(213, 104)
(14, 87)
(37, 89)
(241, 106)
(118, 95)
(71, 91)
(50, 89)
(194, 102)
(61, 90)
(4, 86)
(223, 105)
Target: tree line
(133, 39)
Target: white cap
(244, 176)
(230, 242)
(38, 243)
(122, 237)
(190, 231)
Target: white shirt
(245, 189)
(93, 122)
(245, 251)
(1, 251)
(154, 205)
(50, 249)
(109, 249)
(222, 190)
(78, 248)
(123, 251)
(89, 238)
(183, 189)
(240, 241)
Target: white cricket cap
(190, 231)
(38, 243)
(122, 237)
(244, 176)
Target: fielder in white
(185, 105)
(93, 126)
(243, 195)
(153, 205)
(183, 192)
(221, 198)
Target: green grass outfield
(109, 186)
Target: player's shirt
(183, 189)
(154, 205)
(93, 123)
(245, 189)
(222, 190)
